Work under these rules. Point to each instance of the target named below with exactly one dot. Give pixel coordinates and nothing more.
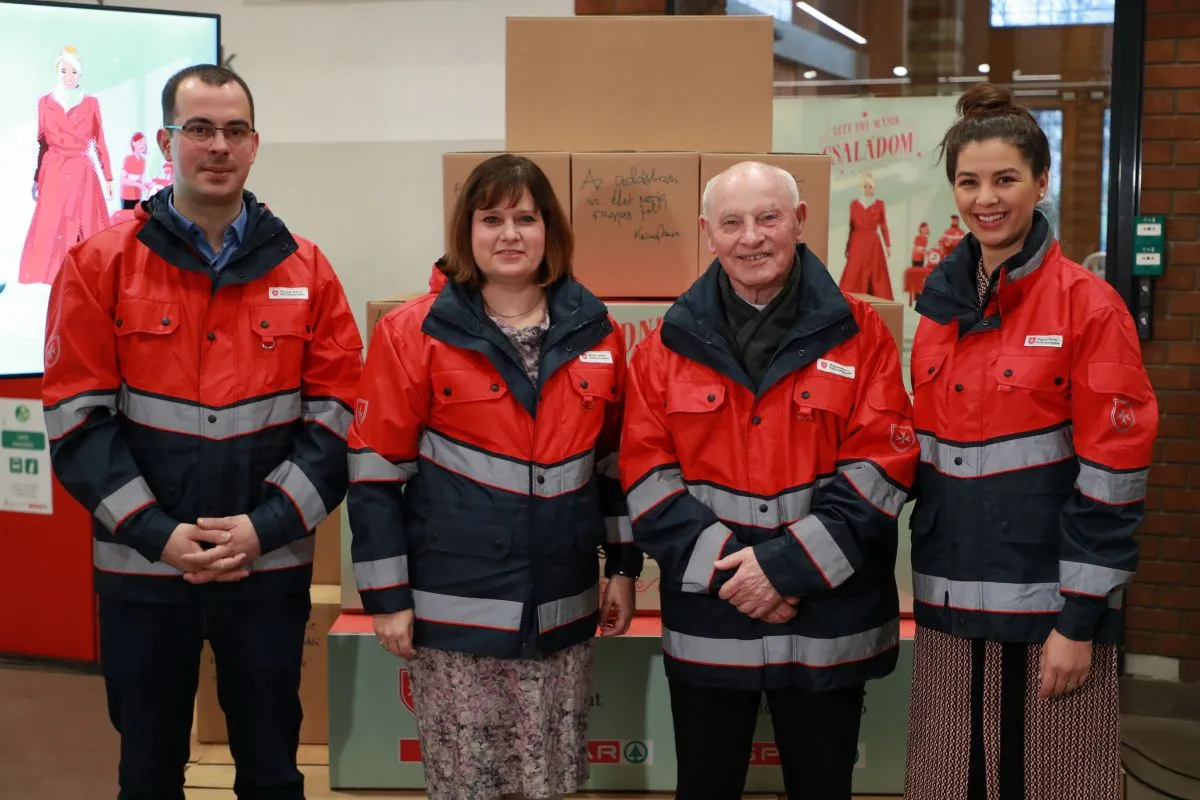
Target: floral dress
(492, 727)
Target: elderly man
(766, 453)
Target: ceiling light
(837, 26)
(899, 72)
(809, 74)
(985, 68)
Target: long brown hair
(502, 180)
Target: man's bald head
(756, 173)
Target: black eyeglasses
(202, 132)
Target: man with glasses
(201, 363)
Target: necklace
(493, 312)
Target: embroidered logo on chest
(834, 368)
(1122, 416)
(596, 357)
(902, 438)
(360, 411)
(1043, 341)
(288, 293)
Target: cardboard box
(640, 83)
(635, 219)
(314, 678)
(892, 314)
(812, 178)
(373, 741)
(456, 168)
(327, 560)
(637, 320)
(377, 309)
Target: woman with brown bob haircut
(483, 484)
(1036, 423)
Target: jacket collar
(266, 241)
(822, 320)
(950, 292)
(578, 320)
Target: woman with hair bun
(1036, 421)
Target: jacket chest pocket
(927, 388)
(466, 398)
(592, 389)
(694, 411)
(832, 396)
(1037, 383)
(279, 335)
(148, 341)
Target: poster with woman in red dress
(69, 196)
(866, 255)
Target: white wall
(356, 101)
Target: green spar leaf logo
(22, 413)
(636, 752)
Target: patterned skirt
(491, 727)
(977, 702)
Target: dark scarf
(755, 335)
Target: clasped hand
(235, 546)
(751, 592)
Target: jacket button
(433, 534)
(1003, 526)
(1058, 381)
(987, 323)
(804, 395)
(212, 337)
(264, 324)
(166, 320)
(1008, 373)
(958, 387)
(958, 461)
(498, 544)
(932, 370)
(756, 420)
(712, 398)
(212, 417)
(583, 384)
(612, 390)
(541, 478)
(762, 508)
(570, 349)
(495, 387)
(120, 323)
(446, 391)
(800, 352)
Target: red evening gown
(866, 266)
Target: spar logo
(633, 752)
(405, 689)
(766, 754)
(410, 751)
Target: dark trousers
(816, 734)
(150, 655)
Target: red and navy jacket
(1036, 421)
(810, 468)
(172, 393)
(479, 498)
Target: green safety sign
(1149, 245)
(22, 440)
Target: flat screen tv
(79, 111)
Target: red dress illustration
(866, 266)
(70, 201)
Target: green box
(373, 733)
(1149, 245)
(23, 440)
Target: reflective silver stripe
(1034, 261)
(114, 509)
(478, 612)
(697, 575)
(784, 649)
(122, 559)
(370, 466)
(558, 613)
(994, 597)
(741, 509)
(827, 556)
(382, 573)
(329, 413)
(70, 414)
(1090, 579)
(211, 423)
(658, 486)
(292, 554)
(564, 478)
(618, 530)
(295, 484)
(871, 482)
(1009, 455)
(508, 474)
(1112, 488)
(608, 467)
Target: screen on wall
(79, 112)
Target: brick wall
(1164, 603)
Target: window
(1015, 13)
(1104, 183)
(779, 9)
(1051, 121)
